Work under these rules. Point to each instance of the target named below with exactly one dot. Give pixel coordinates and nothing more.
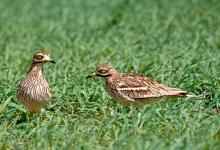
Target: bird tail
(181, 93)
(170, 91)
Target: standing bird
(34, 92)
(131, 88)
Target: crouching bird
(33, 91)
(131, 88)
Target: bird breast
(34, 89)
(111, 88)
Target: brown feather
(33, 91)
(131, 88)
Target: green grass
(176, 42)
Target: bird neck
(114, 75)
(36, 69)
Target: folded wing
(138, 87)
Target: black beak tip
(53, 62)
(88, 76)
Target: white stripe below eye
(133, 89)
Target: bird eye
(40, 57)
(103, 71)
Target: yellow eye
(40, 57)
(103, 71)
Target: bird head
(42, 57)
(103, 70)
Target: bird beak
(53, 62)
(48, 59)
(91, 75)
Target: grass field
(176, 42)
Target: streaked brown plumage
(34, 92)
(131, 88)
